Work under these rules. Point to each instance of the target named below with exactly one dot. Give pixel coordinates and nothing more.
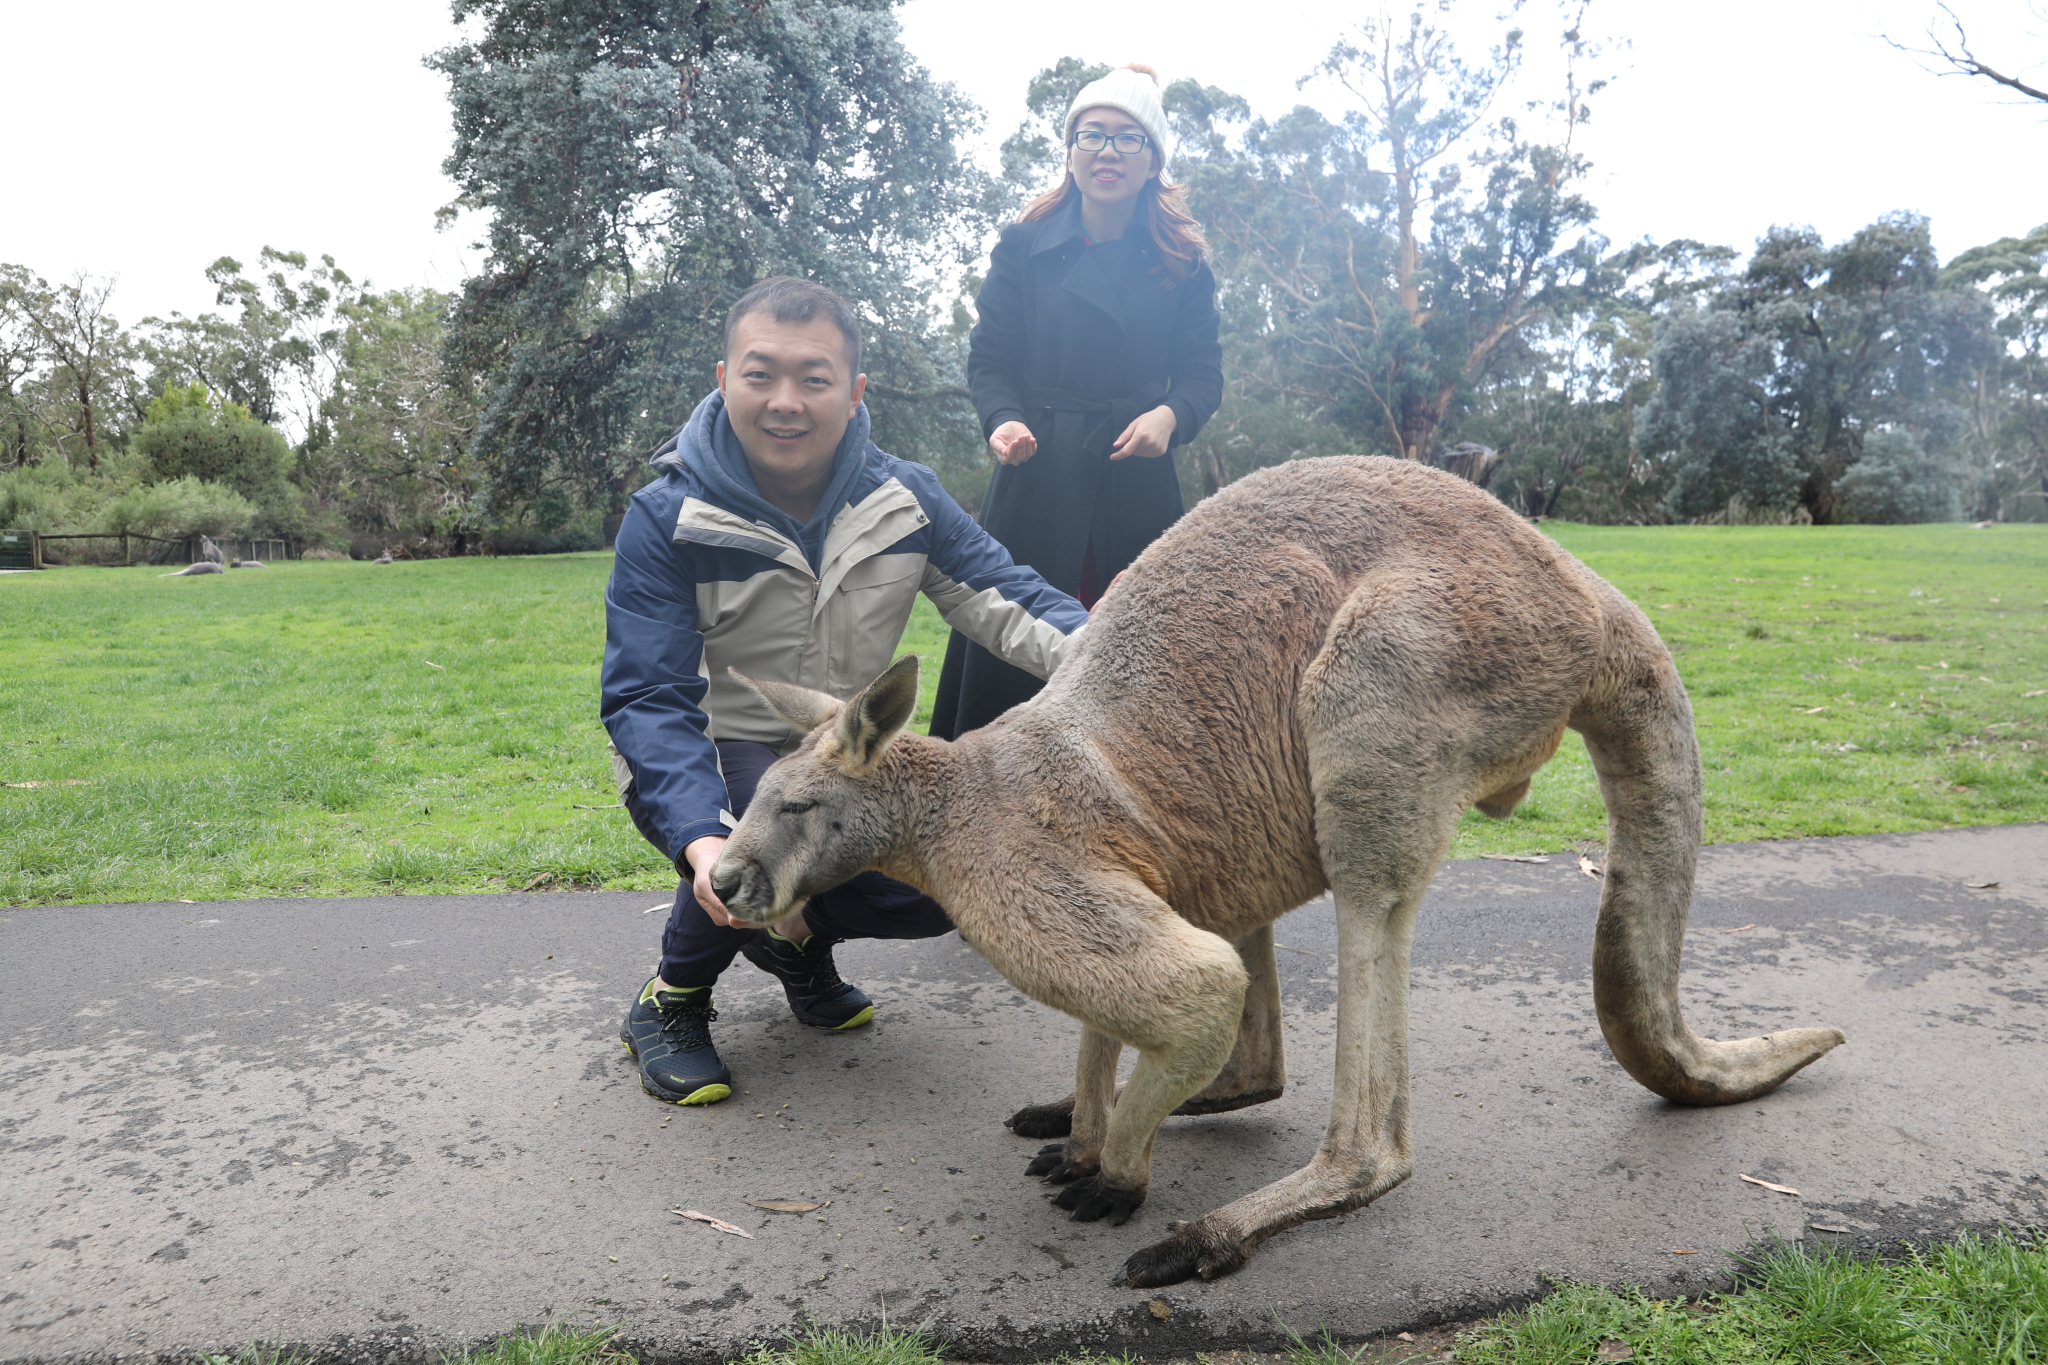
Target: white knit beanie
(1137, 94)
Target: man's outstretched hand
(702, 856)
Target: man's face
(789, 395)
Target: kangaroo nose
(726, 884)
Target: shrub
(187, 433)
(1895, 482)
(181, 507)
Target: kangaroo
(1302, 686)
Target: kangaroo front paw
(1053, 1163)
(1043, 1120)
(1094, 1197)
(1194, 1249)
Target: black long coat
(1075, 340)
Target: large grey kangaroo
(1300, 687)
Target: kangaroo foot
(1199, 1248)
(1043, 1120)
(1058, 1168)
(1096, 1198)
(1223, 1104)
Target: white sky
(146, 140)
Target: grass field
(340, 728)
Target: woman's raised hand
(1148, 435)
(1012, 443)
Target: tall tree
(276, 354)
(392, 459)
(1392, 259)
(1768, 392)
(642, 163)
(88, 354)
(2008, 411)
(21, 358)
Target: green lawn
(338, 728)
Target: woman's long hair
(1174, 230)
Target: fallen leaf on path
(1781, 1189)
(1826, 1227)
(1682, 1251)
(1982, 886)
(1404, 1336)
(1738, 928)
(1517, 857)
(786, 1205)
(1160, 1308)
(718, 1223)
(1590, 868)
(1611, 1349)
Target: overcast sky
(145, 140)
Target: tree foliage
(1392, 259)
(188, 433)
(641, 164)
(1768, 392)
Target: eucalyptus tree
(1392, 258)
(1768, 392)
(2008, 415)
(639, 164)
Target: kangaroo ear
(875, 717)
(804, 709)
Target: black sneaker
(669, 1034)
(816, 994)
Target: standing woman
(1094, 356)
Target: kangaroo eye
(794, 807)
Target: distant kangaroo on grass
(1301, 686)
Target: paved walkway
(387, 1126)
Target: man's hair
(789, 299)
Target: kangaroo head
(821, 815)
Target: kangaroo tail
(1638, 728)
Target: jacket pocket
(870, 608)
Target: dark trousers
(694, 951)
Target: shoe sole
(866, 1016)
(703, 1094)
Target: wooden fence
(23, 549)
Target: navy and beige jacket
(710, 576)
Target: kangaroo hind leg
(1383, 826)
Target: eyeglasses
(1126, 144)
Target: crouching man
(779, 541)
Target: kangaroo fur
(1300, 687)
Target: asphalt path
(385, 1127)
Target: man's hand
(1147, 436)
(702, 856)
(1012, 443)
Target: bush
(1897, 482)
(179, 508)
(189, 434)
